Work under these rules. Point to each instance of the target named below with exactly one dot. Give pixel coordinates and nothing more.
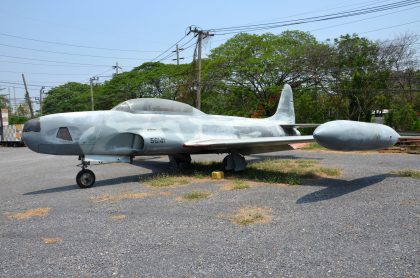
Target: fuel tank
(343, 135)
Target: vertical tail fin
(285, 111)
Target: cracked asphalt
(364, 223)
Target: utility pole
(177, 50)
(10, 100)
(201, 35)
(27, 97)
(40, 99)
(116, 67)
(14, 99)
(94, 78)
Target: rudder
(285, 110)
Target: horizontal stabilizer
(299, 125)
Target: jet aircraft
(151, 126)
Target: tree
(4, 103)
(152, 79)
(403, 117)
(260, 64)
(22, 110)
(359, 74)
(69, 97)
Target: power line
(77, 45)
(53, 61)
(182, 47)
(68, 53)
(389, 27)
(50, 65)
(14, 81)
(344, 14)
(365, 4)
(29, 85)
(44, 73)
(316, 18)
(355, 21)
(169, 48)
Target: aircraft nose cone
(31, 134)
(33, 125)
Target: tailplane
(285, 111)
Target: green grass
(251, 220)
(286, 171)
(247, 216)
(313, 146)
(411, 173)
(195, 195)
(239, 184)
(166, 180)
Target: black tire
(225, 163)
(85, 178)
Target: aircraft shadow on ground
(154, 166)
(256, 158)
(333, 187)
(337, 187)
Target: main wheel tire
(228, 163)
(85, 178)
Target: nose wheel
(85, 178)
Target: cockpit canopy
(156, 106)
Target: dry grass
(108, 197)
(194, 196)
(252, 215)
(51, 240)
(166, 180)
(312, 146)
(410, 202)
(410, 173)
(284, 171)
(236, 184)
(36, 212)
(288, 171)
(118, 216)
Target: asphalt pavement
(364, 223)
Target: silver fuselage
(121, 133)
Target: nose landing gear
(85, 178)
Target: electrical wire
(389, 27)
(50, 65)
(169, 48)
(43, 73)
(71, 54)
(53, 61)
(359, 20)
(270, 25)
(344, 14)
(78, 45)
(29, 85)
(172, 53)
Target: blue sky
(153, 26)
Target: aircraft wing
(221, 144)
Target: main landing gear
(85, 178)
(180, 161)
(234, 162)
